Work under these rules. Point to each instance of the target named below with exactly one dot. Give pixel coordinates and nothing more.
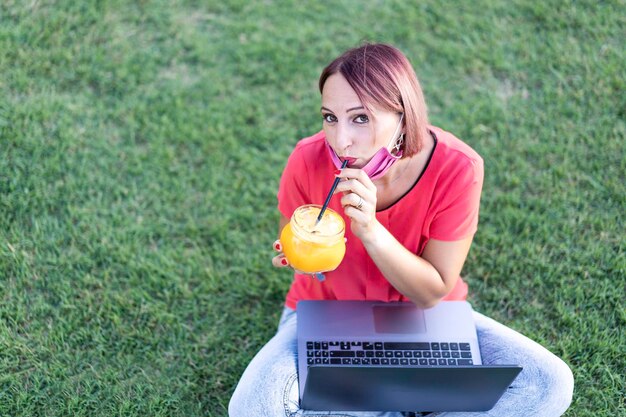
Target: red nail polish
(337, 171)
(284, 262)
(277, 246)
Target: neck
(395, 172)
(411, 166)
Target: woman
(410, 196)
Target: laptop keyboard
(388, 353)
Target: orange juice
(314, 248)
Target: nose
(343, 139)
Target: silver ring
(358, 206)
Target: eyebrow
(347, 111)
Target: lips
(350, 159)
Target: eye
(361, 118)
(329, 118)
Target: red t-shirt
(443, 204)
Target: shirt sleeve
(458, 216)
(292, 190)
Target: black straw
(330, 194)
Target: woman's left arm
(425, 279)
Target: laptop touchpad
(398, 319)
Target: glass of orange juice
(312, 248)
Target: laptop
(378, 356)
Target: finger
(277, 246)
(348, 172)
(365, 179)
(356, 216)
(279, 261)
(357, 174)
(352, 185)
(354, 200)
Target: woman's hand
(280, 260)
(358, 201)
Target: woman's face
(352, 130)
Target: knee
(555, 384)
(265, 386)
(241, 403)
(271, 395)
(564, 381)
(247, 399)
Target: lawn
(141, 145)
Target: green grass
(141, 144)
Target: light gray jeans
(544, 388)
